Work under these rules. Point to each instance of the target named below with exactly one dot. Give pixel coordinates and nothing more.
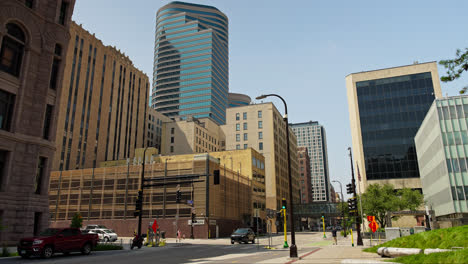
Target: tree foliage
(77, 221)
(456, 67)
(380, 200)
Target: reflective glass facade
(190, 71)
(391, 111)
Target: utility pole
(353, 183)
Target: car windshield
(49, 232)
(101, 226)
(107, 231)
(241, 231)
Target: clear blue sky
(302, 50)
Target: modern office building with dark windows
(190, 76)
(386, 109)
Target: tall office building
(190, 75)
(237, 99)
(33, 46)
(312, 136)
(386, 108)
(103, 105)
(442, 147)
(261, 126)
(305, 179)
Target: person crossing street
(335, 242)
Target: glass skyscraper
(190, 75)
(312, 135)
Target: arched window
(12, 49)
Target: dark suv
(243, 235)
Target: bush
(5, 252)
(77, 221)
(104, 247)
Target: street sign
(372, 223)
(198, 222)
(189, 201)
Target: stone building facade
(305, 179)
(34, 37)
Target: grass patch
(14, 254)
(441, 238)
(457, 256)
(104, 247)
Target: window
(260, 135)
(37, 222)
(7, 101)
(245, 136)
(244, 116)
(237, 137)
(39, 175)
(47, 119)
(260, 146)
(11, 53)
(237, 146)
(260, 124)
(245, 126)
(172, 130)
(237, 116)
(3, 163)
(246, 146)
(237, 127)
(63, 12)
(55, 67)
(29, 3)
(172, 139)
(172, 149)
(259, 114)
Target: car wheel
(86, 249)
(47, 252)
(232, 242)
(106, 239)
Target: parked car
(106, 235)
(243, 235)
(53, 240)
(91, 227)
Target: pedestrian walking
(178, 236)
(335, 242)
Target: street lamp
(342, 211)
(293, 248)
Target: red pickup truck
(52, 240)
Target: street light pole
(353, 183)
(342, 211)
(141, 188)
(293, 248)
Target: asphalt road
(182, 253)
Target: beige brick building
(107, 196)
(103, 106)
(33, 46)
(261, 127)
(192, 135)
(155, 123)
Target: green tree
(380, 200)
(77, 221)
(456, 67)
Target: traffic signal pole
(285, 230)
(353, 182)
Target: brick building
(33, 46)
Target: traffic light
(138, 204)
(352, 206)
(193, 218)
(283, 204)
(349, 188)
(216, 177)
(178, 196)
